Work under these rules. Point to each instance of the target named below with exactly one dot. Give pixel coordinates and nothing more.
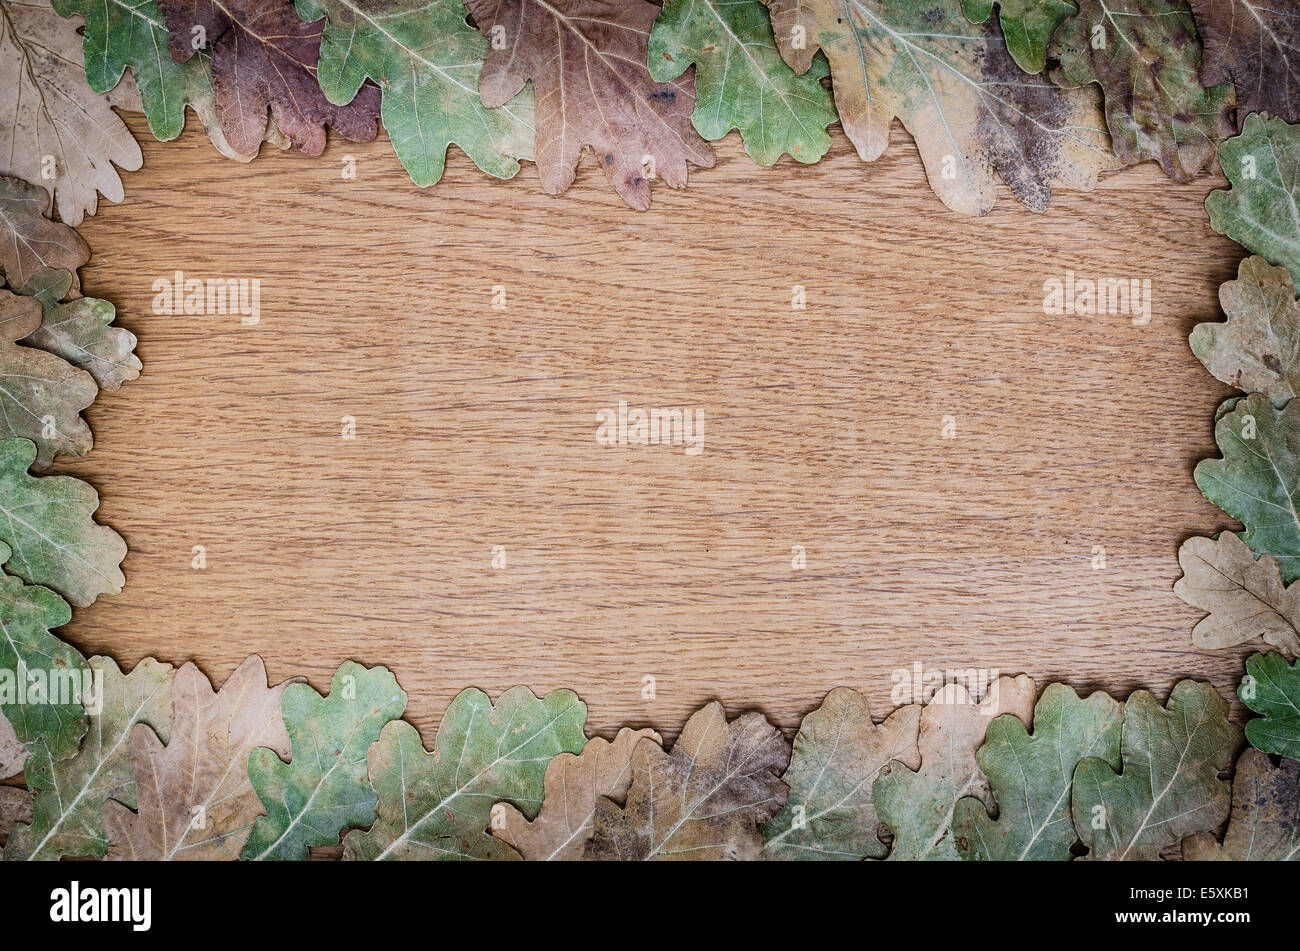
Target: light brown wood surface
(476, 427)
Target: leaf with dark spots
(1256, 44)
(1265, 823)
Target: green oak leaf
(40, 676)
(70, 793)
(741, 81)
(1028, 26)
(427, 61)
(48, 523)
(1031, 776)
(438, 805)
(1265, 824)
(1146, 57)
(81, 331)
(1169, 785)
(1261, 212)
(1257, 481)
(838, 756)
(323, 790)
(1272, 689)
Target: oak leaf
(439, 805)
(1265, 823)
(1272, 688)
(1245, 597)
(426, 60)
(1257, 481)
(574, 784)
(193, 795)
(55, 130)
(1168, 786)
(838, 755)
(1146, 57)
(588, 61)
(323, 789)
(918, 806)
(70, 793)
(30, 242)
(741, 82)
(81, 331)
(12, 752)
(264, 57)
(1028, 26)
(1031, 776)
(15, 806)
(703, 800)
(974, 113)
(1256, 44)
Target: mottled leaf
(48, 523)
(918, 806)
(703, 801)
(427, 61)
(1146, 57)
(1257, 481)
(1245, 598)
(193, 795)
(741, 82)
(41, 395)
(587, 60)
(438, 805)
(82, 331)
(30, 242)
(12, 752)
(323, 790)
(976, 116)
(54, 117)
(1265, 823)
(1261, 212)
(1169, 784)
(15, 806)
(838, 755)
(1031, 775)
(1272, 688)
(1027, 24)
(573, 786)
(264, 57)
(1256, 44)
(70, 793)
(1257, 349)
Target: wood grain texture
(476, 427)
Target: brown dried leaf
(30, 242)
(12, 752)
(1256, 44)
(15, 806)
(194, 797)
(588, 61)
(574, 784)
(1245, 598)
(1265, 823)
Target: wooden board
(476, 427)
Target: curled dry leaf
(1272, 689)
(438, 805)
(30, 242)
(1031, 774)
(264, 57)
(704, 800)
(838, 755)
(41, 395)
(1245, 597)
(918, 806)
(1168, 786)
(54, 118)
(974, 113)
(426, 60)
(193, 794)
(82, 331)
(70, 793)
(1256, 44)
(1257, 481)
(1028, 26)
(1265, 823)
(1146, 57)
(323, 789)
(1257, 349)
(587, 60)
(49, 525)
(574, 784)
